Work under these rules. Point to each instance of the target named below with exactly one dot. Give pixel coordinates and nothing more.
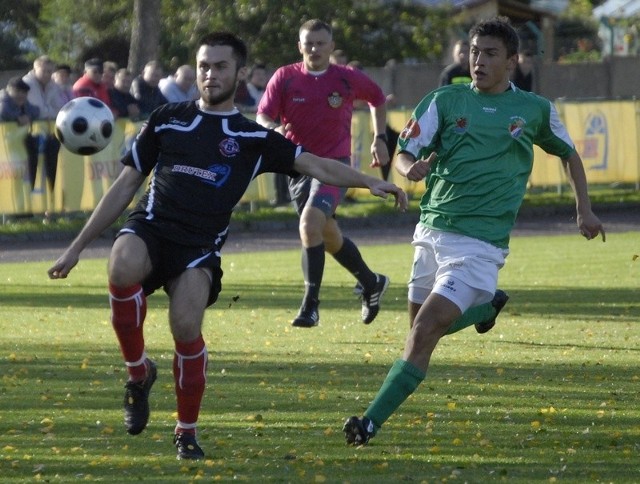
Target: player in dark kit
(201, 156)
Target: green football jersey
(484, 144)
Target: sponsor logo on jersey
(229, 147)
(516, 126)
(174, 120)
(461, 125)
(221, 172)
(411, 130)
(215, 175)
(335, 100)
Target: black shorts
(170, 259)
(305, 190)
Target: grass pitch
(550, 394)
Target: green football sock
(401, 381)
(476, 314)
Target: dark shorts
(170, 259)
(305, 190)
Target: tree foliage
(367, 30)
(370, 31)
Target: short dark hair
(18, 84)
(64, 67)
(499, 27)
(314, 25)
(232, 40)
(257, 67)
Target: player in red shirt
(313, 101)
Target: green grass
(549, 395)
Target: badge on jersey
(516, 126)
(461, 125)
(411, 130)
(229, 147)
(335, 100)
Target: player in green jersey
(473, 144)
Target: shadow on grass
(616, 304)
(277, 416)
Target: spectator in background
(109, 69)
(257, 81)
(62, 77)
(14, 105)
(458, 71)
(252, 89)
(339, 57)
(522, 75)
(90, 84)
(242, 97)
(47, 96)
(123, 104)
(145, 88)
(43, 91)
(181, 86)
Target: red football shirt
(319, 107)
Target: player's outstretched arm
(333, 172)
(588, 223)
(117, 198)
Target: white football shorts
(460, 268)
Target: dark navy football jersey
(201, 165)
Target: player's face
(316, 47)
(217, 76)
(490, 67)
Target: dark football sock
(312, 270)
(350, 258)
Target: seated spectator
(181, 86)
(145, 89)
(90, 84)
(123, 104)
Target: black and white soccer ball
(85, 125)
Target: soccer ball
(84, 125)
